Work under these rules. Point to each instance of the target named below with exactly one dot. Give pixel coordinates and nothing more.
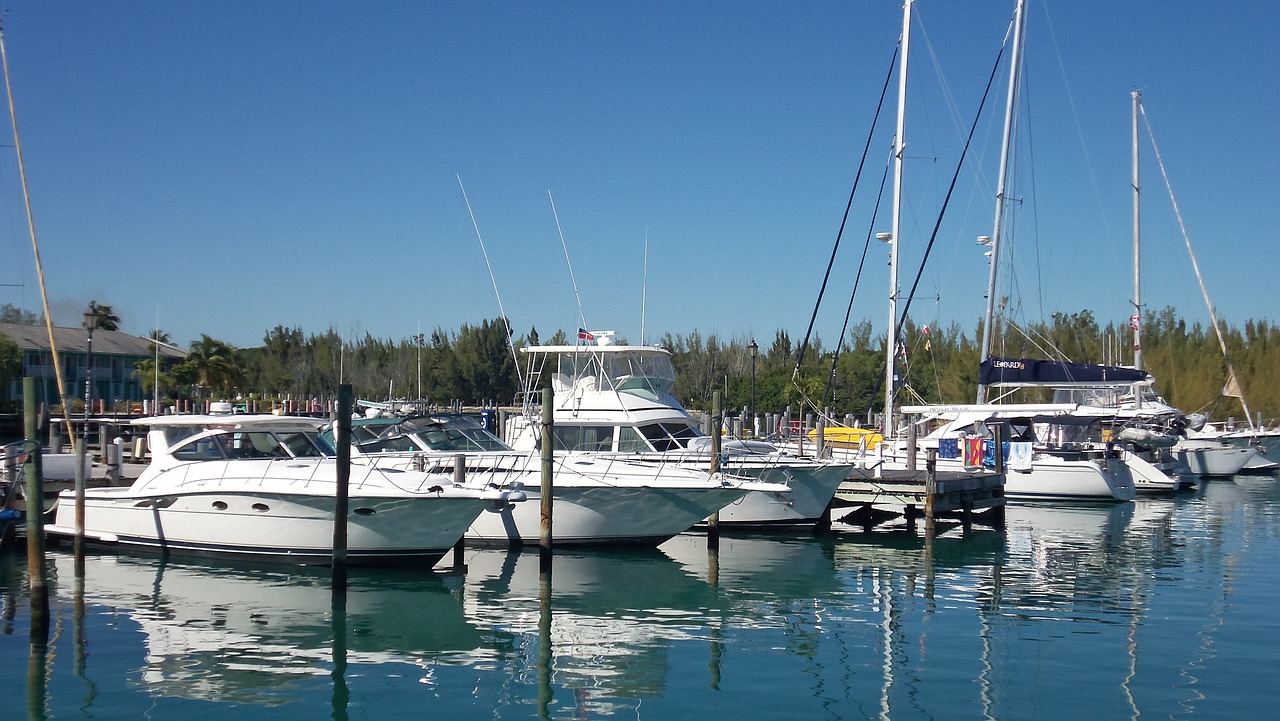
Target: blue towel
(948, 448)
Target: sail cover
(1035, 372)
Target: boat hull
(272, 527)
(1213, 458)
(1055, 478)
(811, 490)
(604, 515)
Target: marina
(1157, 607)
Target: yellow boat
(844, 437)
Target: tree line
(478, 364)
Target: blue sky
(227, 167)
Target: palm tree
(212, 364)
(107, 320)
(145, 372)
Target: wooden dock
(869, 497)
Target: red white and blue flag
(584, 334)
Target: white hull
(273, 526)
(1055, 478)
(1051, 477)
(1213, 458)
(810, 486)
(809, 495)
(1149, 477)
(601, 514)
(597, 499)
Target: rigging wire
(891, 353)
(505, 321)
(35, 246)
(795, 373)
(829, 392)
(582, 320)
(1233, 382)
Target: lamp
(753, 348)
(90, 324)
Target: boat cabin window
(209, 448)
(305, 445)
(253, 444)
(669, 436)
(630, 441)
(454, 433)
(583, 438)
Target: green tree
(10, 361)
(107, 319)
(14, 314)
(212, 364)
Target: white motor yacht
(263, 487)
(615, 401)
(597, 500)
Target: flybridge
(605, 367)
(1038, 372)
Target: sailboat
(1048, 468)
(1137, 412)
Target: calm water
(1161, 608)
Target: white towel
(1019, 456)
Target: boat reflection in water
(237, 634)
(1157, 606)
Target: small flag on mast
(584, 334)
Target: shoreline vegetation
(475, 365)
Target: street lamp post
(90, 324)
(754, 349)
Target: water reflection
(1158, 607)
(240, 634)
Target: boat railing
(256, 471)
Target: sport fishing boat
(597, 500)
(263, 487)
(615, 401)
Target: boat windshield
(637, 371)
(670, 436)
(229, 445)
(452, 433)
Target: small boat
(263, 487)
(615, 402)
(597, 500)
(1213, 457)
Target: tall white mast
(1136, 321)
(988, 324)
(891, 340)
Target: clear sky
(222, 168)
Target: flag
(584, 334)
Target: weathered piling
(460, 479)
(548, 473)
(713, 523)
(37, 570)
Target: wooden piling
(713, 522)
(459, 479)
(930, 489)
(37, 569)
(548, 473)
(341, 500)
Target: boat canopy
(638, 369)
(1037, 372)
